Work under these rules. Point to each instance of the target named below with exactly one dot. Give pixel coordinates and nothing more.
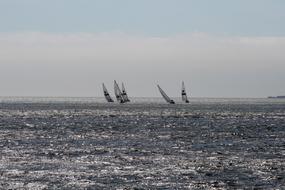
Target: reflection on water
(77, 143)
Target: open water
(84, 143)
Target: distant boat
(164, 95)
(124, 94)
(183, 93)
(118, 93)
(106, 94)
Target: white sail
(106, 94)
(183, 93)
(124, 94)
(164, 95)
(118, 93)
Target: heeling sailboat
(183, 93)
(106, 94)
(164, 95)
(124, 94)
(118, 93)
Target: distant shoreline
(276, 96)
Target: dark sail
(183, 93)
(124, 94)
(164, 95)
(106, 94)
(118, 93)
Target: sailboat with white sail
(106, 94)
(118, 93)
(183, 93)
(164, 95)
(124, 94)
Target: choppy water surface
(83, 144)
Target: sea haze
(77, 143)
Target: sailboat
(106, 94)
(164, 95)
(124, 94)
(183, 93)
(118, 93)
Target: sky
(221, 48)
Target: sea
(86, 143)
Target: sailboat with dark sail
(106, 94)
(164, 95)
(118, 93)
(183, 93)
(124, 94)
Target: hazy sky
(221, 48)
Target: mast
(106, 94)
(118, 93)
(164, 95)
(124, 94)
(183, 93)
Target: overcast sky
(221, 48)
